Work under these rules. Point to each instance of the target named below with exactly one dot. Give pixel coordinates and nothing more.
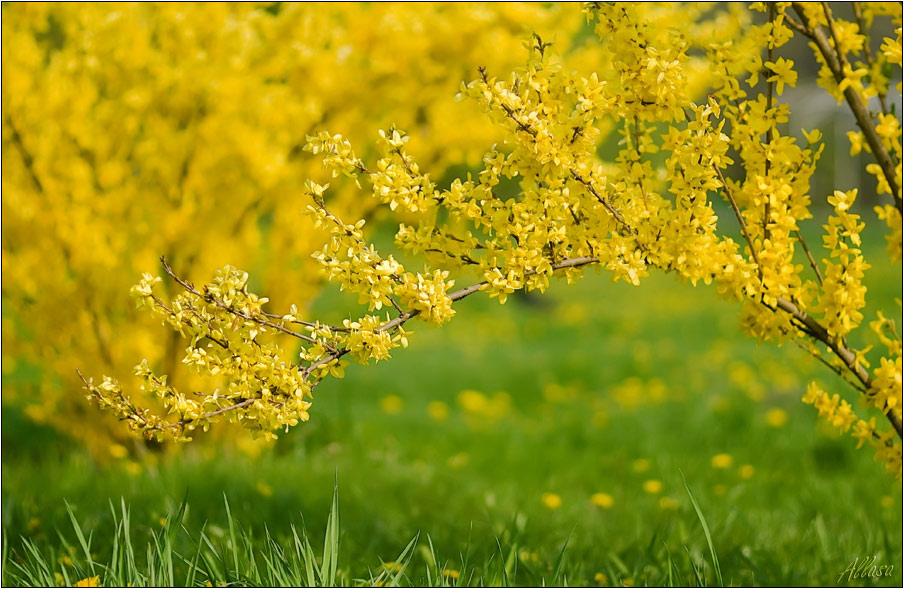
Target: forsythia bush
(695, 92)
(131, 131)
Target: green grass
(595, 388)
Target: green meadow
(601, 434)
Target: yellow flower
(601, 579)
(641, 465)
(721, 461)
(552, 501)
(392, 404)
(472, 401)
(118, 451)
(783, 70)
(264, 489)
(451, 573)
(668, 504)
(88, 582)
(746, 472)
(776, 417)
(603, 500)
(438, 411)
(459, 460)
(652, 486)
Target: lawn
(546, 441)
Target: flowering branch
(836, 61)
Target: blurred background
(135, 131)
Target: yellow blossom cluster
(840, 415)
(132, 131)
(705, 183)
(853, 73)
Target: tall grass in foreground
(237, 558)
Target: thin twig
(212, 299)
(27, 160)
(813, 265)
(837, 346)
(734, 206)
(832, 367)
(244, 403)
(615, 214)
(454, 296)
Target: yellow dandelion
(459, 460)
(600, 418)
(264, 489)
(65, 560)
(88, 582)
(601, 579)
(776, 417)
(652, 486)
(552, 501)
(603, 500)
(628, 582)
(668, 504)
(526, 556)
(451, 573)
(392, 567)
(472, 401)
(392, 404)
(641, 465)
(438, 411)
(747, 471)
(721, 461)
(118, 451)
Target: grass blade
(709, 538)
(331, 542)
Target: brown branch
(27, 160)
(737, 212)
(244, 403)
(838, 347)
(842, 58)
(797, 26)
(455, 296)
(861, 24)
(770, 90)
(832, 367)
(615, 214)
(310, 324)
(813, 265)
(861, 114)
(212, 299)
(162, 305)
(396, 304)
